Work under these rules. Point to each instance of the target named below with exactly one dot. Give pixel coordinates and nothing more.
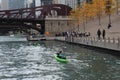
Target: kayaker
(60, 55)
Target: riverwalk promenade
(107, 43)
(113, 44)
(112, 37)
(94, 24)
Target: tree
(89, 10)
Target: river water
(23, 60)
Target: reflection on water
(26, 61)
(12, 38)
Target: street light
(117, 6)
(108, 8)
(99, 13)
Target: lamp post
(99, 13)
(79, 5)
(108, 8)
(117, 7)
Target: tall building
(45, 2)
(71, 3)
(88, 1)
(0, 6)
(12, 4)
(80, 1)
(4, 5)
(32, 3)
(56, 1)
(37, 2)
(16, 4)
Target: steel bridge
(27, 18)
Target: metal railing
(109, 43)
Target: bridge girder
(37, 12)
(36, 15)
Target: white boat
(12, 35)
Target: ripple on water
(19, 61)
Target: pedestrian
(103, 33)
(109, 26)
(99, 34)
(60, 54)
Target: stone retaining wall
(110, 44)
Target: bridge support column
(42, 27)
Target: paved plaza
(93, 25)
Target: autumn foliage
(90, 10)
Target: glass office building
(4, 5)
(16, 4)
(45, 2)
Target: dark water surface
(35, 61)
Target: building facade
(45, 2)
(58, 25)
(37, 2)
(32, 3)
(12, 4)
(17, 4)
(71, 3)
(4, 5)
(59, 1)
(55, 1)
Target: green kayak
(60, 59)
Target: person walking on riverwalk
(103, 33)
(109, 26)
(99, 34)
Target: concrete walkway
(107, 44)
(93, 25)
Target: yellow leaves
(110, 6)
(88, 11)
(99, 6)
